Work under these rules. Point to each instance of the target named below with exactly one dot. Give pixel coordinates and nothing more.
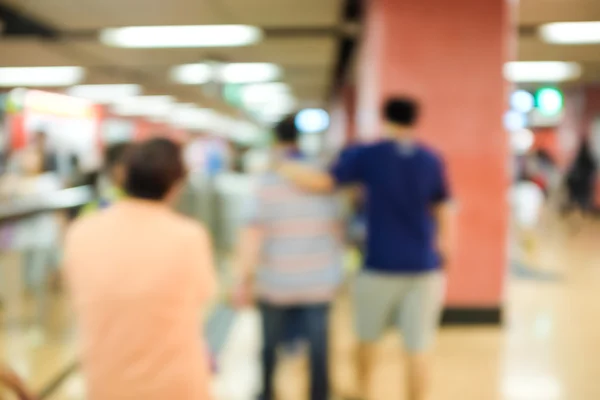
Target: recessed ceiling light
(522, 101)
(541, 71)
(571, 32)
(40, 76)
(104, 93)
(514, 120)
(312, 120)
(190, 36)
(196, 74)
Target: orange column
(449, 55)
(342, 128)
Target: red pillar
(342, 128)
(449, 55)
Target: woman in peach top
(139, 275)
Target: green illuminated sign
(549, 101)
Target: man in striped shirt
(290, 253)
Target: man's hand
(445, 252)
(242, 295)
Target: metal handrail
(56, 201)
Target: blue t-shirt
(402, 183)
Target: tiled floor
(549, 348)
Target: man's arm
(202, 270)
(248, 252)
(307, 178)
(245, 261)
(347, 169)
(443, 214)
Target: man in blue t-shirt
(408, 238)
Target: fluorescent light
(571, 32)
(190, 36)
(196, 74)
(150, 106)
(249, 72)
(104, 93)
(541, 71)
(57, 104)
(40, 76)
(192, 74)
(268, 102)
(258, 94)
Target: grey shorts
(410, 302)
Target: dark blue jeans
(293, 331)
(314, 321)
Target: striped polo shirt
(301, 254)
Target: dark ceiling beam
(17, 24)
(527, 30)
(352, 15)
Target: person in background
(77, 178)
(113, 178)
(139, 276)
(527, 201)
(408, 238)
(290, 252)
(38, 236)
(49, 156)
(580, 182)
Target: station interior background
(524, 328)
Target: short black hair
(286, 131)
(116, 154)
(153, 168)
(401, 111)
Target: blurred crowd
(141, 276)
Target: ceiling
(533, 13)
(303, 37)
(300, 36)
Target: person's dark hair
(153, 168)
(286, 131)
(401, 111)
(116, 154)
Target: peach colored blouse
(139, 275)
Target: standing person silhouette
(408, 238)
(140, 276)
(290, 251)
